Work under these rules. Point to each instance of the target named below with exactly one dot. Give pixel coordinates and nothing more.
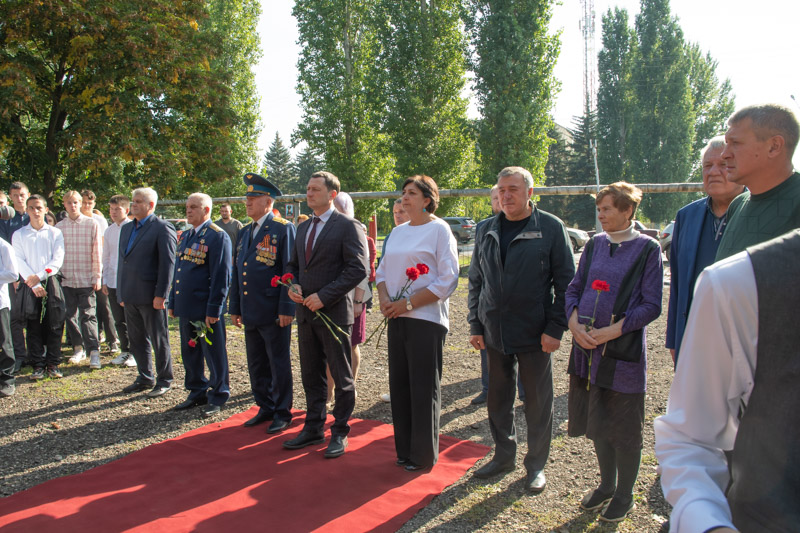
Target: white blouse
(433, 244)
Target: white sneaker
(114, 348)
(386, 398)
(94, 359)
(79, 356)
(120, 359)
(130, 361)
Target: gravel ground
(54, 428)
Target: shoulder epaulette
(281, 220)
(215, 227)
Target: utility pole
(589, 82)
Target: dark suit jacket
(146, 270)
(339, 262)
(252, 295)
(202, 273)
(682, 262)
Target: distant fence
(567, 190)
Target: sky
(754, 44)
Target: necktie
(310, 241)
(255, 230)
(189, 235)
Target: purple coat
(644, 306)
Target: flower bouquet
(412, 273)
(286, 281)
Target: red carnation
(192, 343)
(412, 273)
(600, 285)
(275, 281)
(287, 278)
(423, 268)
(48, 270)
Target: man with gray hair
(144, 276)
(696, 235)
(521, 266)
(201, 281)
(759, 146)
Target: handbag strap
(631, 278)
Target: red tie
(310, 241)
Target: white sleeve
(446, 263)
(714, 376)
(106, 255)
(23, 267)
(8, 264)
(57, 259)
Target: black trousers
(215, 356)
(148, 327)
(536, 375)
(17, 328)
(104, 317)
(317, 346)
(269, 362)
(6, 348)
(118, 312)
(43, 334)
(415, 375)
(81, 306)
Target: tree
(513, 65)
(278, 164)
(118, 93)
(305, 163)
(340, 119)
(420, 73)
(614, 95)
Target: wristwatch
(409, 307)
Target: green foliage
(340, 119)
(659, 102)
(513, 64)
(114, 94)
(305, 163)
(278, 165)
(420, 72)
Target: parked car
(463, 228)
(666, 238)
(578, 238)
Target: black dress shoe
(401, 462)
(413, 467)
(535, 482)
(278, 425)
(336, 447)
(211, 410)
(137, 387)
(305, 438)
(494, 468)
(158, 390)
(190, 402)
(261, 417)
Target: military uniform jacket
(202, 273)
(255, 263)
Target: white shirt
(111, 253)
(102, 223)
(8, 271)
(715, 375)
(323, 218)
(433, 244)
(38, 250)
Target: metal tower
(587, 25)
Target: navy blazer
(145, 272)
(338, 263)
(202, 273)
(255, 264)
(682, 262)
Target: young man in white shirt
(81, 278)
(118, 207)
(39, 251)
(8, 274)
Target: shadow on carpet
(226, 477)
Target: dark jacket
(512, 304)
(202, 273)
(337, 265)
(145, 271)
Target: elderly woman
(418, 321)
(616, 292)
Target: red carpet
(225, 477)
